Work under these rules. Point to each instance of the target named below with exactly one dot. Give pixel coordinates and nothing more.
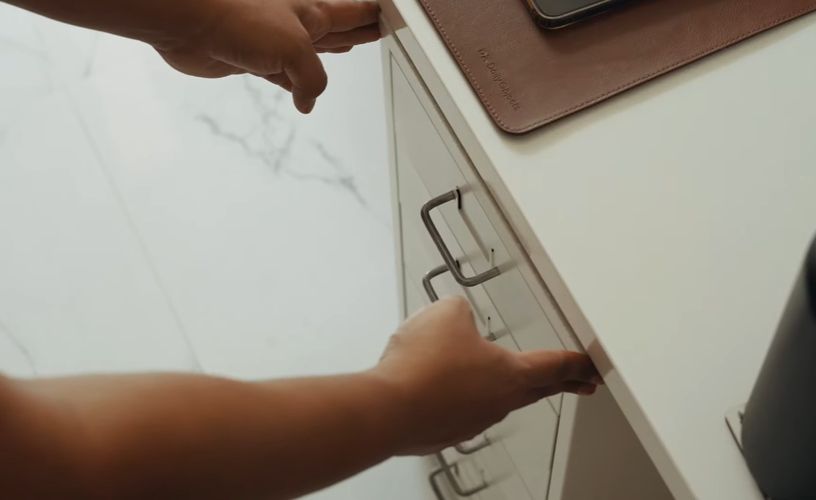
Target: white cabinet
(511, 308)
(516, 464)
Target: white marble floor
(152, 221)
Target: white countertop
(669, 222)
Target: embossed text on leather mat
(527, 77)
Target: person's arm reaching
(273, 39)
(187, 436)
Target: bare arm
(185, 436)
(274, 39)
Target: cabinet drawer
(521, 446)
(492, 465)
(427, 163)
(504, 479)
(491, 469)
(527, 436)
(420, 256)
(428, 149)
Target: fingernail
(586, 391)
(309, 105)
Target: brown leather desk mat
(527, 77)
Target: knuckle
(322, 7)
(316, 19)
(460, 304)
(498, 414)
(520, 381)
(460, 311)
(521, 376)
(295, 45)
(302, 46)
(562, 364)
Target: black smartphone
(553, 14)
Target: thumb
(548, 368)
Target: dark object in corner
(779, 425)
(553, 14)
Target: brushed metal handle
(449, 471)
(425, 213)
(470, 450)
(427, 283)
(434, 480)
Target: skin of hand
(274, 39)
(458, 384)
(176, 436)
(277, 40)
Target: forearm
(185, 436)
(177, 436)
(151, 21)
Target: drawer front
(430, 151)
(518, 461)
(529, 436)
(517, 464)
(519, 458)
(491, 465)
(420, 256)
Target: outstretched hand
(455, 384)
(274, 39)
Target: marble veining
(19, 345)
(10, 44)
(90, 60)
(39, 57)
(143, 247)
(263, 140)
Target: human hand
(274, 39)
(455, 384)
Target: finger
(461, 313)
(580, 388)
(347, 15)
(307, 75)
(359, 36)
(547, 368)
(338, 50)
(280, 80)
(199, 64)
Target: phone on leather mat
(552, 14)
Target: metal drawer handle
(449, 471)
(433, 297)
(443, 249)
(470, 450)
(426, 281)
(434, 480)
(427, 284)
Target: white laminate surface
(153, 221)
(669, 223)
